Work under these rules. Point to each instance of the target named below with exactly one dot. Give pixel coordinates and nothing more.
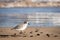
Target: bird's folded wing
(18, 26)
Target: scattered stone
(24, 36)
(31, 32)
(41, 32)
(48, 35)
(58, 33)
(36, 30)
(55, 35)
(31, 35)
(14, 33)
(21, 32)
(4, 35)
(38, 34)
(13, 36)
(51, 34)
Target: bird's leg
(21, 32)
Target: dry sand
(31, 33)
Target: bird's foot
(20, 32)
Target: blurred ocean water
(37, 16)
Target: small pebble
(31, 32)
(24, 36)
(20, 32)
(38, 34)
(14, 33)
(31, 35)
(4, 35)
(48, 35)
(36, 30)
(41, 32)
(55, 35)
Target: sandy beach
(31, 33)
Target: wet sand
(31, 33)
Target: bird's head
(26, 22)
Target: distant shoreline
(29, 4)
(30, 7)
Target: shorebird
(21, 27)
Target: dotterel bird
(21, 27)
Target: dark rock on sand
(48, 35)
(55, 35)
(4, 35)
(31, 35)
(36, 30)
(31, 32)
(38, 34)
(41, 32)
(24, 36)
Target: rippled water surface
(8, 21)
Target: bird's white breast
(24, 26)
